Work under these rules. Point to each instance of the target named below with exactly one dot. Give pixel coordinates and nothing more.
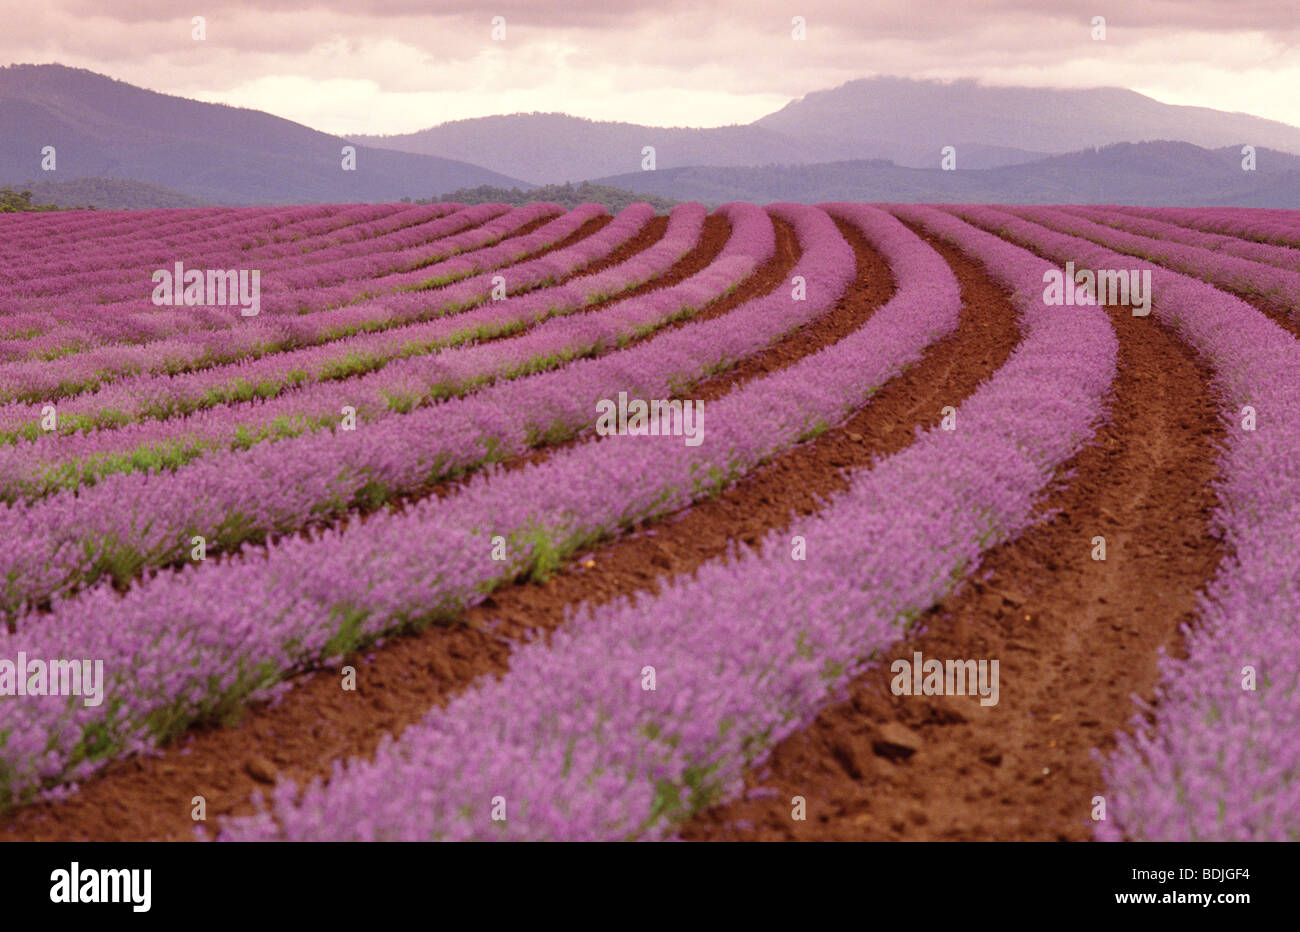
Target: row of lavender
(128, 288)
(167, 422)
(75, 537)
(1285, 257)
(48, 233)
(253, 237)
(316, 263)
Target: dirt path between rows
(1076, 639)
(316, 722)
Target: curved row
(435, 240)
(50, 232)
(59, 320)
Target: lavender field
(246, 451)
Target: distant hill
(903, 121)
(915, 119)
(566, 195)
(1151, 173)
(108, 194)
(548, 148)
(106, 128)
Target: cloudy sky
(356, 66)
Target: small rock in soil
(896, 741)
(849, 756)
(260, 769)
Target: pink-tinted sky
(355, 66)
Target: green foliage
(103, 194)
(13, 202)
(566, 195)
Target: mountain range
(876, 139)
(903, 121)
